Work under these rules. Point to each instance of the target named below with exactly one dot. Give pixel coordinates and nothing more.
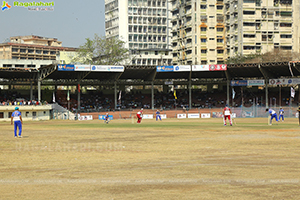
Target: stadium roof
(139, 74)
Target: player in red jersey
(227, 114)
(139, 116)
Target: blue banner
(102, 117)
(66, 67)
(239, 83)
(164, 68)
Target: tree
(102, 51)
(276, 55)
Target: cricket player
(139, 116)
(281, 116)
(273, 114)
(227, 114)
(17, 119)
(106, 118)
(158, 115)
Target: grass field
(171, 159)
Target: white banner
(205, 115)
(182, 68)
(164, 116)
(200, 68)
(256, 82)
(282, 81)
(181, 116)
(107, 68)
(194, 115)
(83, 68)
(233, 115)
(147, 117)
(85, 117)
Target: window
(203, 28)
(203, 50)
(203, 7)
(211, 38)
(211, 28)
(203, 40)
(1, 115)
(285, 36)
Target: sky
(71, 21)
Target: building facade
(32, 51)
(211, 31)
(198, 30)
(254, 26)
(144, 26)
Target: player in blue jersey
(281, 116)
(158, 115)
(272, 114)
(106, 118)
(16, 117)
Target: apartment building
(259, 26)
(32, 51)
(144, 26)
(198, 30)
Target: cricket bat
(269, 120)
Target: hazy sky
(71, 21)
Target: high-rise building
(144, 26)
(260, 26)
(198, 32)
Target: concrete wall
(29, 113)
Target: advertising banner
(164, 68)
(194, 115)
(217, 67)
(65, 67)
(181, 116)
(182, 68)
(85, 117)
(256, 82)
(239, 83)
(164, 116)
(147, 117)
(200, 68)
(282, 81)
(86, 68)
(209, 67)
(107, 68)
(205, 115)
(102, 117)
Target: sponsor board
(209, 67)
(256, 82)
(164, 68)
(233, 115)
(239, 83)
(147, 117)
(65, 67)
(102, 117)
(194, 115)
(181, 116)
(182, 68)
(164, 116)
(107, 68)
(82, 67)
(281, 81)
(205, 115)
(85, 117)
